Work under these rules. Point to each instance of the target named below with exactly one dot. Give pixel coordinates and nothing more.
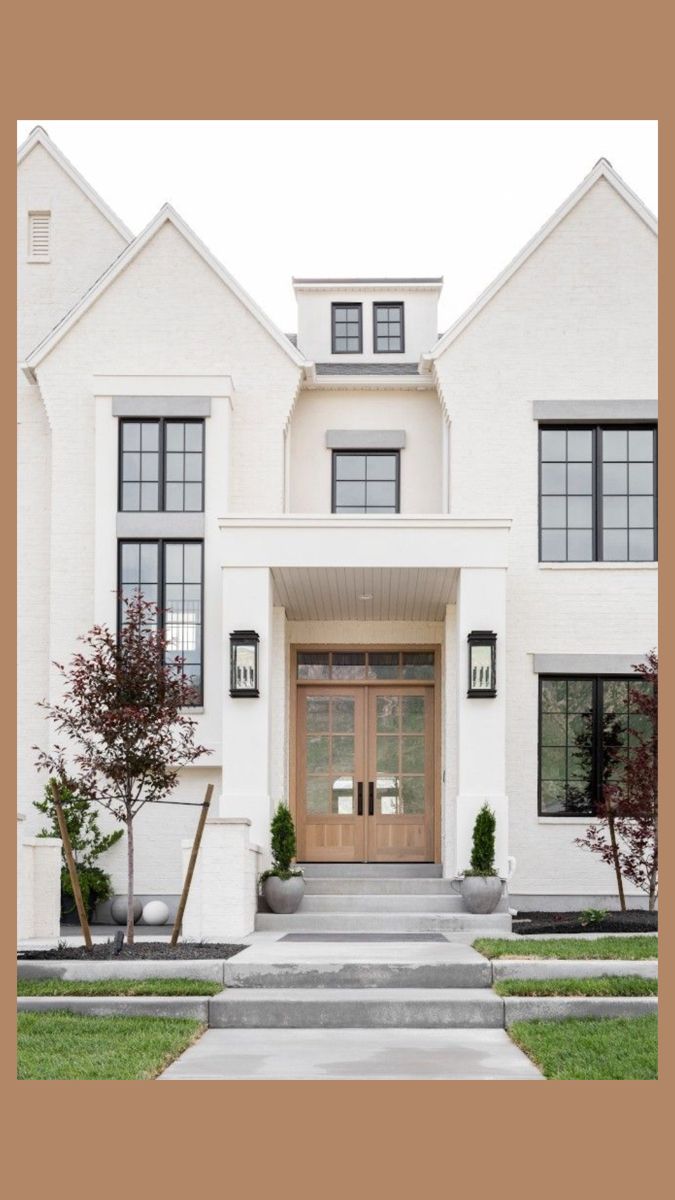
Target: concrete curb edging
(560, 968)
(194, 1007)
(561, 1008)
(76, 970)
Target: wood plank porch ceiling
(335, 594)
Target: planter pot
(481, 893)
(284, 895)
(118, 910)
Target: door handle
(359, 799)
(371, 799)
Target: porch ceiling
(335, 593)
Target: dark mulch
(144, 949)
(635, 920)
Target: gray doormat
(363, 937)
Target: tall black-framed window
(388, 328)
(161, 465)
(588, 725)
(597, 493)
(366, 481)
(346, 328)
(171, 574)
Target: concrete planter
(481, 893)
(284, 895)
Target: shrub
(283, 845)
(483, 849)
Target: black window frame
(355, 453)
(161, 543)
(597, 682)
(389, 304)
(597, 535)
(345, 304)
(162, 423)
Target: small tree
(122, 715)
(627, 834)
(483, 847)
(87, 841)
(283, 841)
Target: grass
(61, 1045)
(603, 985)
(598, 1049)
(117, 987)
(601, 947)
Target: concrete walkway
(353, 1054)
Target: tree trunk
(615, 856)
(130, 878)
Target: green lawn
(61, 1045)
(604, 985)
(600, 1049)
(117, 987)
(602, 947)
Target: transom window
(327, 665)
(347, 328)
(366, 481)
(388, 328)
(588, 726)
(169, 573)
(161, 466)
(597, 494)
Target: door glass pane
(343, 753)
(317, 714)
(388, 714)
(317, 753)
(387, 753)
(412, 714)
(343, 714)
(413, 755)
(318, 794)
(388, 795)
(342, 803)
(412, 794)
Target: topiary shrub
(283, 845)
(483, 848)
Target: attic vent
(39, 233)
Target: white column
(41, 878)
(223, 896)
(247, 604)
(481, 724)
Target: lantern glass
(244, 664)
(482, 655)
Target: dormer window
(347, 328)
(388, 328)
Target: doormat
(363, 937)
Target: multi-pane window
(161, 466)
(588, 727)
(597, 494)
(388, 328)
(347, 328)
(170, 573)
(365, 481)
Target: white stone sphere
(156, 912)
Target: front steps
(356, 1008)
(382, 898)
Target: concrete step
(381, 904)
(388, 922)
(371, 870)
(324, 973)
(343, 1008)
(381, 886)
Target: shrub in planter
(481, 886)
(283, 885)
(88, 842)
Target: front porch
(346, 609)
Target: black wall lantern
(482, 663)
(244, 663)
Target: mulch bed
(140, 949)
(635, 920)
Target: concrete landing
(353, 1054)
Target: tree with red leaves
(122, 713)
(626, 836)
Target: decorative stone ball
(118, 909)
(156, 912)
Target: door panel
(330, 768)
(400, 775)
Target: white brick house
(363, 495)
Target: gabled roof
(40, 137)
(602, 170)
(165, 215)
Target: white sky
(273, 199)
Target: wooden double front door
(365, 773)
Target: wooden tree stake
(191, 865)
(72, 869)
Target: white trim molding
(586, 664)
(595, 410)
